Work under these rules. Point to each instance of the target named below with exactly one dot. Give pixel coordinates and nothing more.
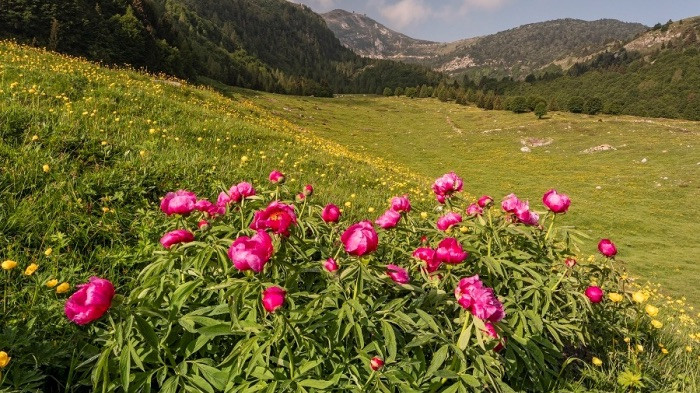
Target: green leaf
(429, 320)
(183, 292)
(170, 385)
(465, 336)
(125, 368)
(316, 383)
(438, 359)
(389, 339)
(147, 332)
(200, 383)
(220, 329)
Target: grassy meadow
(641, 195)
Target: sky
(450, 20)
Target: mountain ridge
(526, 47)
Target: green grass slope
(115, 141)
(642, 195)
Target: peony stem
(240, 210)
(370, 379)
(551, 224)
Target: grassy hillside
(641, 194)
(120, 140)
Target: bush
(593, 106)
(195, 322)
(518, 104)
(388, 92)
(576, 104)
(541, 110)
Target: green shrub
(194, 322)
(576, 104)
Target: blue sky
(450, 20)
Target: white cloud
(405, 12)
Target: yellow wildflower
(35, 138)
(105, 209)
(104, 143)
(424, 215)
(651, 310)
(52, 283)
(640, 348)
(463, 229)
(688, 348)
(348, 204)
(46, 168)
(627, 340)
(664, 351)
(370, 210)
(31, 269)
(4, 359)
(640, 297)
(244, 158)
(63, 288)
(9, 264)
(615, 297)
(657, 324)
(48, 251)
(597, 362)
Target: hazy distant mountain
(515, 51)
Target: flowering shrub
(275, 296)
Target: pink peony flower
(242, 190)
(570, 262)
(448, 220)
(211, 209)
(607, 248)
(398, 274)
(179, 202)
(277, 217)
(308, 190)
(251, 253)
(376, 363)
(360, 239)
(175, 237)
(224, 199)
(472, 295)
(447, 185)
(557, 203)
(90, 301)
(511, 203)
(330, 213)
(276, 177)
(401, 204)
(236, 194)
(330, 265)
(525, 215)
(273, 298)
(475, 210)
(491, 332)
(485, 201)
(450, 251)
(594, 294)
(388, 220)
(427, 255)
